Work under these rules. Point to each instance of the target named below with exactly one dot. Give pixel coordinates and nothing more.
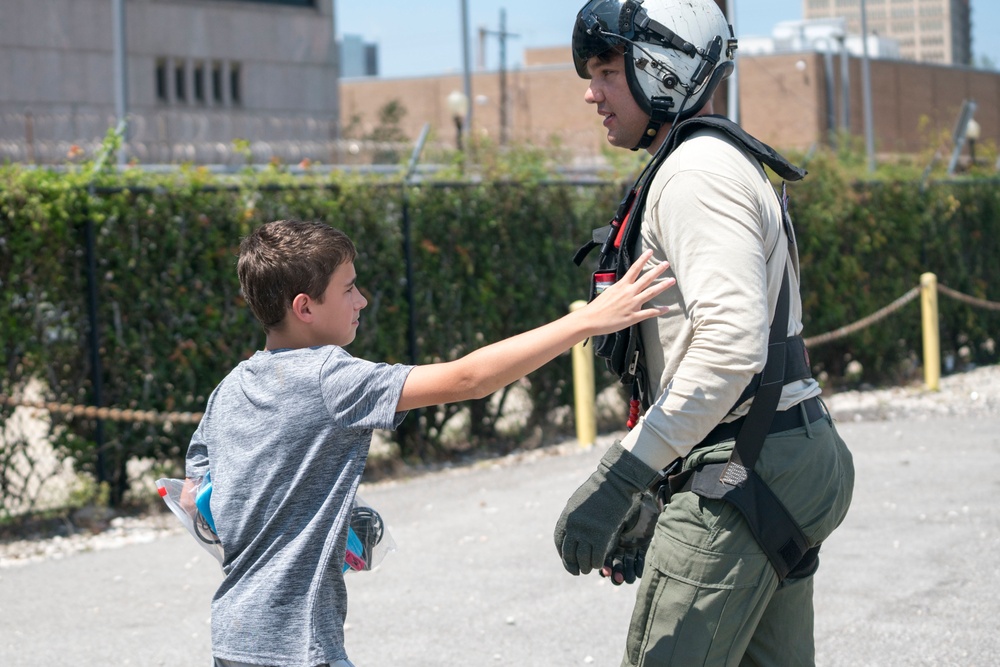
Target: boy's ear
(301, 308)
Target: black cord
(203, 532)
(368, 526)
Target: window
(199, 83)
(180, 82)
(235, 94)
(162, 86)
(217, 83)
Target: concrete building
(930, 31)
(823, 35)
(357, 57)
(199, 73)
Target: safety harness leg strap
(771, 523)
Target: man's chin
(618, 142)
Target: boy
(286, 433)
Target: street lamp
(458, 105)
(972, 133)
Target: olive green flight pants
(709, 596)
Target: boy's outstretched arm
(484, 371)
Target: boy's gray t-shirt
(286, 435)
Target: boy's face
(623, 117)
(337, 317)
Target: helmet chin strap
(660, 115)
(661, 109)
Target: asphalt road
(911, 578)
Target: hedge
(491, 257)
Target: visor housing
(598, 28)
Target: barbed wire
(154, 417)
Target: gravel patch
(971, 394)
(975, 393)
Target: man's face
(608, 89)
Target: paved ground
(909, 579)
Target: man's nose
(590, 95)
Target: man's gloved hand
(625, 562)
(589, 525)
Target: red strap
(624, 223)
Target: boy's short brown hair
(282, 259)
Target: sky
(423, 37)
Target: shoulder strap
(764, 153)
(757, 423)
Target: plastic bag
(184, 505)
(368, 540)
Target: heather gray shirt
(286, 435)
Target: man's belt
(783, 420)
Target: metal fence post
(583, 389)
(929, 317)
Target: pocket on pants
(702, 584)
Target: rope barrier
(965, 298)
(892, 308)
(865, 321)
(154, 417)
(110, 414)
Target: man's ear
(301, 308)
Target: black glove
(589, 525)
(625, 562)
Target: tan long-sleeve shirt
(713, 214)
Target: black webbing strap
(758, 420)
(796, 368)
(770, 521)
(735, 481)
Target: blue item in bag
(354, 558)
(203, 499)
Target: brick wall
(783, 101)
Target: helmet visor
(597, 29)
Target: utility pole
(466, 67)
(503, 35)
(120, 71)
(733, 85)
(866, 91)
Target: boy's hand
(621, 305)
(188, 492)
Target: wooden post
(583, 389)
(929, 318)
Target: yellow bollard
(929, 318)
(583, 389)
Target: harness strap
(758, 420)
(771, 523)
(735, 481)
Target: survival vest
(787, 361)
